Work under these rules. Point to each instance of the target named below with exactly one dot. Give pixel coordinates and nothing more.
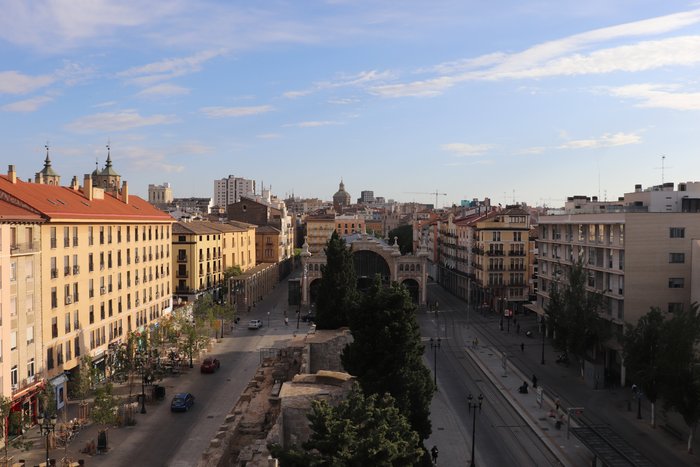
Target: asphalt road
(164, 438)
(502, 436)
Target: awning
(534, 307)
(58, 380)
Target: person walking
(534, 381)
(522, 347)
(434, 454)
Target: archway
(367, 265)
(413, 289)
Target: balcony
(19, 248)
(516, 253)
(494, 253)
(183, 290)
(182, 259)
(54, 273)
(66, 271)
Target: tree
(574, 315)
(386, 354)
(404, 234)
(361, 431)
(8, 419)
(337, 294)
(641, 352)
(680, 387)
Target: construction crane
(435, 193)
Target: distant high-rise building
(230, 190)
(160, 195)
(366, 197)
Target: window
(676, 283)
(59, 354)
(49, 358)
(54, 297)
(91, 240)
(75, 236)
(66, 237)
(13, 271)
(76, 346)
(496, 236)
(676, 257)
(102, 235)
(14, 377)
(677, 232)
(30, 369)
(67, 322)
(30, 334)
(92, 314)
(675, 307)
(53, 237)
(54, 327)
(13, 340)
(76, 320)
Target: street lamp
(544, 331)
(435, 345)
(474, 405)
(47, 425)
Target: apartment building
(319, 228)
(349, 224)
(203, 250)
(160, 195)
(501, 259)
(231, 189)
(20, 308)
(637, 252)
(104, 268)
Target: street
(496, 433)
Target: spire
(109, 158)
(47, 175)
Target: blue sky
(513, 100)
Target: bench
(673, 431)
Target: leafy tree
(228, 274)
(680, 387)
(404, 234)
(337, 293)
(8, 418)
(641, 351)
(362, 431)
(575, 317)
(386, 354)
(104, 410)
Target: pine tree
(337, 295)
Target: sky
(515, 100)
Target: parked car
(182, 402)
(308, 318)
(254, 324)
(210, 365)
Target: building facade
(105, 267)
(231, 189)
(160, 195)
(341, 198)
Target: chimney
(87, 186)
(74, 184)
(638, 188)
(11, 174)
(125, 192)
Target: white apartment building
(637, 252)
(230, 190)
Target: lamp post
(435, 345)
(47, 425)
(474, 405)
(544, 331)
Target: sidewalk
(541, 417)
(88, 433)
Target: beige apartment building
(319, 228)
(104, 265)
(349, 224)
(637, 252)
(203, 250)
(20, 308)
(501, 260)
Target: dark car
(308, 318)
(210, 365)
(182, 402)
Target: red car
(210, 365)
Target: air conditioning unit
(69, 299)
(103, 290)
(136, 260)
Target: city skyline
(516, 102)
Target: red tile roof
(10, 212)
(57, 203)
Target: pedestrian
(476, 342)
(434, 453)
(534, 381)
(522, 346)
(517, 328)
(557, 404)
(286, 321)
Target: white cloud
(148, 159)
(606, 141)
(360, 80)
(54, 25)
(532, 150)
(342, 101)
(27, 105)
(222, 112)
(659, 96)
(269, 136)
(579, 54)
(194, 147)
(464, 149)
(169, 68)
(312, 124)
(13, 82)
(163, 90)
(117, 121)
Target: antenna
(663, 168)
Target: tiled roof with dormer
(59, 203)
